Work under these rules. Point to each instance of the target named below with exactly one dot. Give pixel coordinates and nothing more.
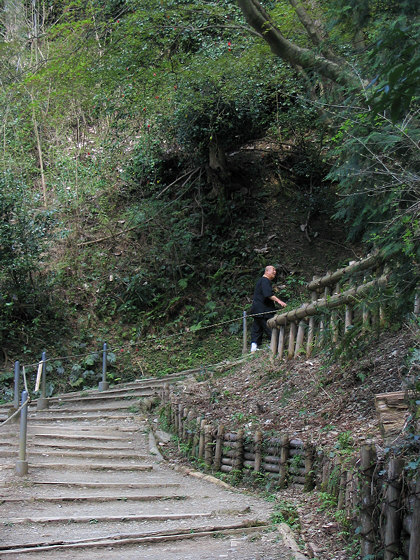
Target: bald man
(263, 302)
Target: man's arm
(277, 300)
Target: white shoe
(253, 347)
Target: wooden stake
(219, 447)
(257, 451)
(292, 337)
(280, 348)
(414, 549)
(239, 455)
(393, 524)
(367, 461)
(299, 338)
(284, 456)
(208, 447)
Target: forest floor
(314, 400)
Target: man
(263, 302)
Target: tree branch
(259, 19)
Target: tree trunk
(259, 20)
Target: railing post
(103, 385)
(245, 334)
(15, 406)
(22, 463)
(42, 402)
(16, 394)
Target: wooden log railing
(370, 492)
(333, 310)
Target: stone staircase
(95, 490)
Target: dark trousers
(259, 327)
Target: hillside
(323, 401)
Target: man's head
(270, 272)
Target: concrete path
(95, 490)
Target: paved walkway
(95, 490)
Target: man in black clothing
(263, 302)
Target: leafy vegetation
(136, 202)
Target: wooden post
(417, 301)
(190, 430)
(393, 524)
(196, 438)
(309, 483)
(201, 440)
(414, 549)
(274, 342)
(280, 348)
(180, 419)
(244, 334)
(334, 320)
(323, 321)
(208, 448)
(292, 337)
(311, 328)
(284, 456)
(220, 437)
(299, 338)
(365, 314)
(348, 321)
(367, 462)
(238, 461)
(342, 487)
(185, 424)
(257, 450)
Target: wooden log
(414, 547)
(257, 447)
(190, 429)
(348, 318)
(227, 460)
(309, 468)
(274, 342)
(201, 440)
(342, 486)
(334, 320)
(367, 463)
(219, 447)
(184, 435)
(332, 278)
(239, 456)
(311, 324)
(274, 459)
(392, 411)
(335, 301)
(248, 456)
(299, 338)
(292, 338)
(208, 445)
(282, 338)
(180, 418)
(283, 465)
(231, 436)
(269, 467)
(296, 443)
(393, 523)
(225, 468)
(416, 309)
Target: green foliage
(285, 512)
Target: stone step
(75, 454)
(93, 498)
(165, 536)
(83, 465)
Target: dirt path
(95, 490)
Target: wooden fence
(373, 496)
(337, 304)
